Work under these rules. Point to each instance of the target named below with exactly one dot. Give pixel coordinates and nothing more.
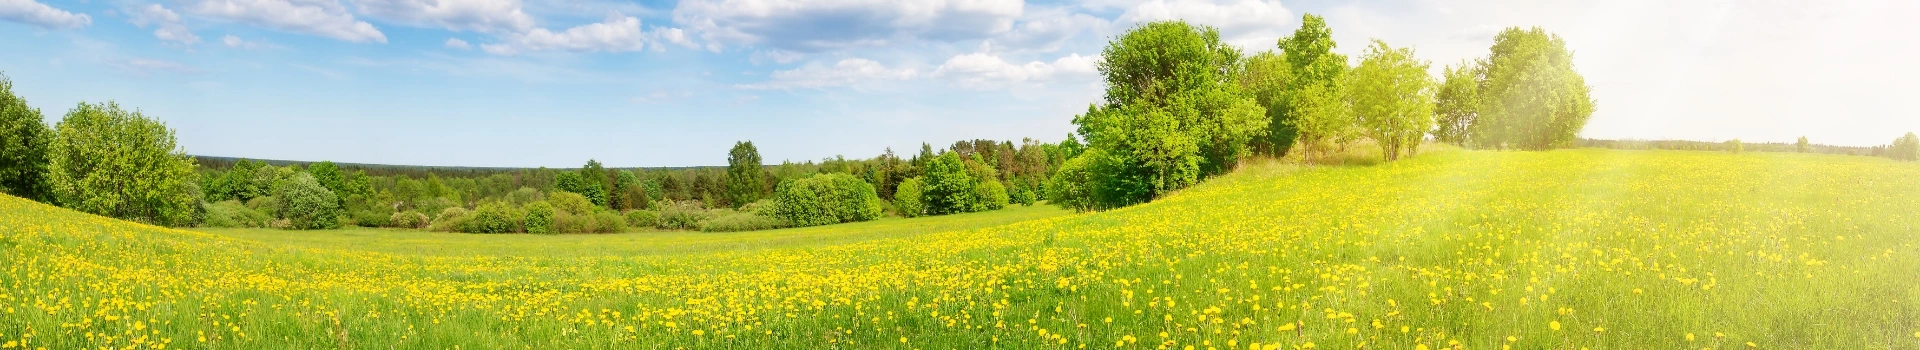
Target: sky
(526, 83)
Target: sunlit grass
(1563, 249)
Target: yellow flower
(1689, 336)
(1599, 329)
(1555, 325)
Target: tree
(823, 199)
(1905, 148)
(329, 176)
(744, 174)
(1801, 145)
(906, 198)
(597, 183)
(1391, 97)
(628, 192)
(1313, 100)
(949, 189)
(306, 204)
(1265, 77)
(24, 139)
(575, 182)
(1734, 146)
(1173, 112)
(1531, 97)
(1456, 103)
(108, 161)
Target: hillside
(1561, 249)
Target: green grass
(1621, 249)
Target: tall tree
(949, 188)
(113, 162)
(1265, 77)
(744, 184)
(24, 138)
(1313, 98)
(1391, 97)
(600, 182)
(1457, 103)
(1531, 98)
(1801, 145)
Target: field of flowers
(1454, 249)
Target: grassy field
(1454, 249)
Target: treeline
(1901, 149)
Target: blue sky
(664, 83)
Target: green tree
(576, 182)
(1734, 146)
(306, 204)
(1456, 104)
(24, 139)
(744, 174)
(1313, 102)
(822, 199)
(113, 162)
(1801, 145)
(906, 198)
(1391, 97)
(1905, 148)
(949, 189)
(329, 176)
(597, 183)
(1531, 97)
(1265, 77)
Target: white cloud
(616, 34)
(325, 18)
(816, 25)
(491, 16)
(1255, 25)
(456, 43)
(36, 13)
(238, 43)
(984, 70)
(1047, 30)
(846, 72)
(145, 67)
(167, 23)
(676, 36)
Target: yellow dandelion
(1555, 325)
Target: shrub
(525, 195)
(681, 215)
(408, 219)
(308, 205)
(642, 218)
(434, 204)
(371, 218)
(989, 194)
(906, 198)
(493, 217)
(732, 221)
(564, 222)
(117, 163)
(823, 199)
(572, 203)
(539, 218)
(231, 213)
(608, 222)
(1022, 195)
(265, 204)
(449, 220)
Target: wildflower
(1555, 325)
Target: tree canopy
(1392, 98)
(113, 162)
(24, 138)
(1531, 98)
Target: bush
(370, 218)
(571, 203)
(539, 218)
(117, 163)
(823, 199)
(449, 220)
(906, 198)
(493, 217)
(232, 214)
(681, 215)
(1022, 195)
(265, 204)
(642, 218)
(948, 189)
(525, 195)
(564, 222)
(434, 204)
(732, 221)
(408, 219)
(989, 194)
(308, 205)
(608, 222)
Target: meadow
(1565, 249)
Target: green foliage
(266, 204)
(906, 198)
(564, 222)
(1312, 102)
(539, 217)
(628, 192)
(329, 176)
(306, 205)
(1174, 113)
(1801, 145)
(1022, 195)
(231, 213)
(525, 196)
(1530, 98)
(989, 195)
(1734, 146)
(1087, 183)
(571, 203)
(734, 221)
(408, 219)
(682, 215)
(1265, 77)
(643, 218)
(744, 176)
(579, 183)
(824, 199)
(608, 222)
(24, 142)
(948, 187)
(1392, 99)
(449, 220)
(493, 217)
(1905, 148)
(434, 204)
(1456, 104)
(118, 163)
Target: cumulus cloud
(456, 43)
(616, 34)
(167, 24)
(817, 25)
(985, 70)
(491, 16)
(1046, 30)
(1251, 24)
(38, 14)
(675, 36)
(326, 18)
(844, 73)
